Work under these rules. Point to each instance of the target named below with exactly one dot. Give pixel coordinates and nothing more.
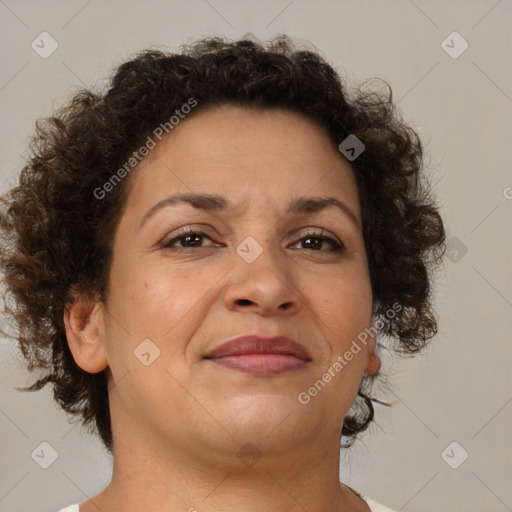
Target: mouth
(260, 355)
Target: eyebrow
(215, 203)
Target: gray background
(460, 389)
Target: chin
(266, 418)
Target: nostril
(244, 302)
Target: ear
(85, 331)
(372, 359)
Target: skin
(179, 423)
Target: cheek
(344, 300)
(158, 303)
(344, 314)
(152, 299)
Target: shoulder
(374, 506)
(71, 508)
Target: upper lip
(256, 344)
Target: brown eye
(315, 240)
(188, 240)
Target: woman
(202, 259)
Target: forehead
(249, 154)
(228, 130)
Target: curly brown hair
(56, 236)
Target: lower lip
(261, 364)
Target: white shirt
(374, 506)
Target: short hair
(57, 234)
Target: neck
(157, 475)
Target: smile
(261, 364)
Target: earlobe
(84, 323)
(372, 364)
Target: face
(187, 279)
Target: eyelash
(319, 235)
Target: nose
(264, 286)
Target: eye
(314, 240)
(188, 239)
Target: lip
(260, 355)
